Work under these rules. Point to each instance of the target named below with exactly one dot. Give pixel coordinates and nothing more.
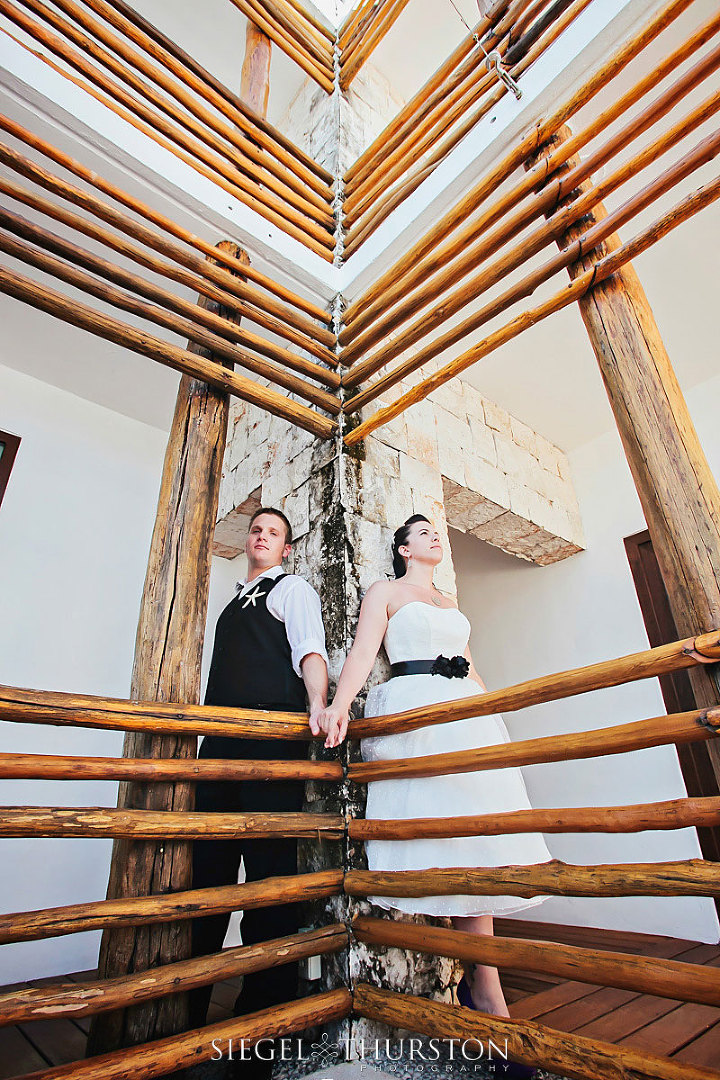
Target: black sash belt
(455, 667)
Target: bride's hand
(334, 721)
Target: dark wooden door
(676, 689)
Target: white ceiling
(547, 377)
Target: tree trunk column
(677, 490)
(167, 667)
(255, 77)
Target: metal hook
(493, 62)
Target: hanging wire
(476, 37)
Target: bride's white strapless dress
(419, 631)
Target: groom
(269, 653)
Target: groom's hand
(316, 710)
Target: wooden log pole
(73, 1000)
(165, 224)
(642, 665)
(183, 360)
(528, 1042)
(310, 334)
(219, 348)
(693, 877)
(606, 267)
(488, 185)
(676, 487)
(678, 728)
(670, 814)
(173, 1054)
(174, 907)
(57, 767)
(100, 821)
(500, 209)
(644, 974)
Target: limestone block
(422, 434)
(528, 503)
(459, 503)
(450, 397)
(485, 511)
(487, 480)
(497, 418)
(482, 441)
(523, 436)
(513, 460)
(553, 487)
(296, 508)
(393, 434)
(549, 456)
(382, 457)
(238, 444)
(453, 440)
(420, 477)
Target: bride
(416, 623)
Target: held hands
(334, 722)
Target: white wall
(75, 527)
(530, 621)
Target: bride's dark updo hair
(400, 538)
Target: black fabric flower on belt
(453, 667)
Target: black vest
(251, 663)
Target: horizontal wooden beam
(23, 706)
(562, 1053)
(73, 1000)
(165, 224)
(678, 728)
(247, 118)
(172, 907)
(181, 1051)
(443, 258)
(291, 44)
(165, 315)
(643, 974)
(669, 814)
(520, 254)
(578, 288)
(648, 664)
(694, 877)
(111, 329)
(316, 339)
(100, 822)
(160, 770)
(515, 157)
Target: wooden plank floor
(688, 1033)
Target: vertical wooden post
(168, 657)
(255, 78)
(677, 490)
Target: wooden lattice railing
(529, 1042)
(392, 341)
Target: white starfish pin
(253, 596)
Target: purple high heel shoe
(509, 1070)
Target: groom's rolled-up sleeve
(302, 614)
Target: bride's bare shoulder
(381, 589)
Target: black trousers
(216, 862)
